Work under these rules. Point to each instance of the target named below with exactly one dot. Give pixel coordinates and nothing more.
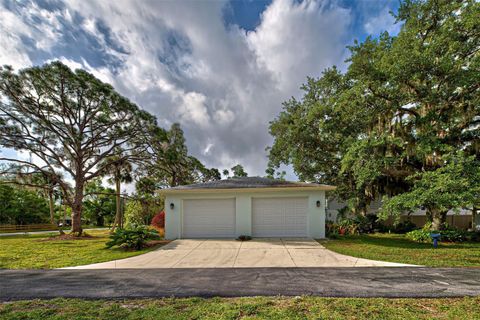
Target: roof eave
(244, 190)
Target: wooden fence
(463, 222)
(4, 228)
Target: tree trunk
(77, 209)
(475, 219)
(118, 213)
(64, 214)
(361, 207)
(439, 219)
(52, 207)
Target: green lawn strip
(52, 230)
(244, 308)
(31, 252)
(396, 248)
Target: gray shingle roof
(247, 182)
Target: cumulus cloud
(384, 21)
(183, 62)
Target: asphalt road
(231, 282)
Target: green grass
(66, 228)
(396, 248)
(30, 252)
(244, 308)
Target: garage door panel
(279, 217)
(209, 218)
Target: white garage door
(279, 217)
(209, 218)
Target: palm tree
(120, 171)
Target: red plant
(158, 220)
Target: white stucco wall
(243, 204)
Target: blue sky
(219, 68)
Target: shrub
(158, 220)
(404, 227)
(420, 235)
(474, 236)
(135, 237)
(448, 235)
(244, 238)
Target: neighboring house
(253, 206)
(461, 219)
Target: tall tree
(168, 162)
(119, 169)
(226, 173)
(406, 105)
(238, 171)
(70, 122)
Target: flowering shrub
(158, 220)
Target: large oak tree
(69, 122)
(404, 119)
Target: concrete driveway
(229, 253)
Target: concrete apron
(228, 253)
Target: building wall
(243, 203)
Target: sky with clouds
(219, 68)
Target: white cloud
(179, 61)
(295, 40)
(384, 21)
(13, 28)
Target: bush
(404, 227)
(133, 214)
(158, 220)
(244, 238)
(474, 236)
(420, 235)
(448, 235)
(135, 237)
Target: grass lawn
(30, 252)
(396, 248)
(244, 308)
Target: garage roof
(246, 183)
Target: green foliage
(168, 163)
(394, 123)
(98, 204)
(449, 234)
(134, 237)
(353, 225)
(455, 185)
(72, 121)
(134, 214)
(141, 209)
(238, 171)
(419, 235)
(403, 227)
(22, 206)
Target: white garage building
(254, 206)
